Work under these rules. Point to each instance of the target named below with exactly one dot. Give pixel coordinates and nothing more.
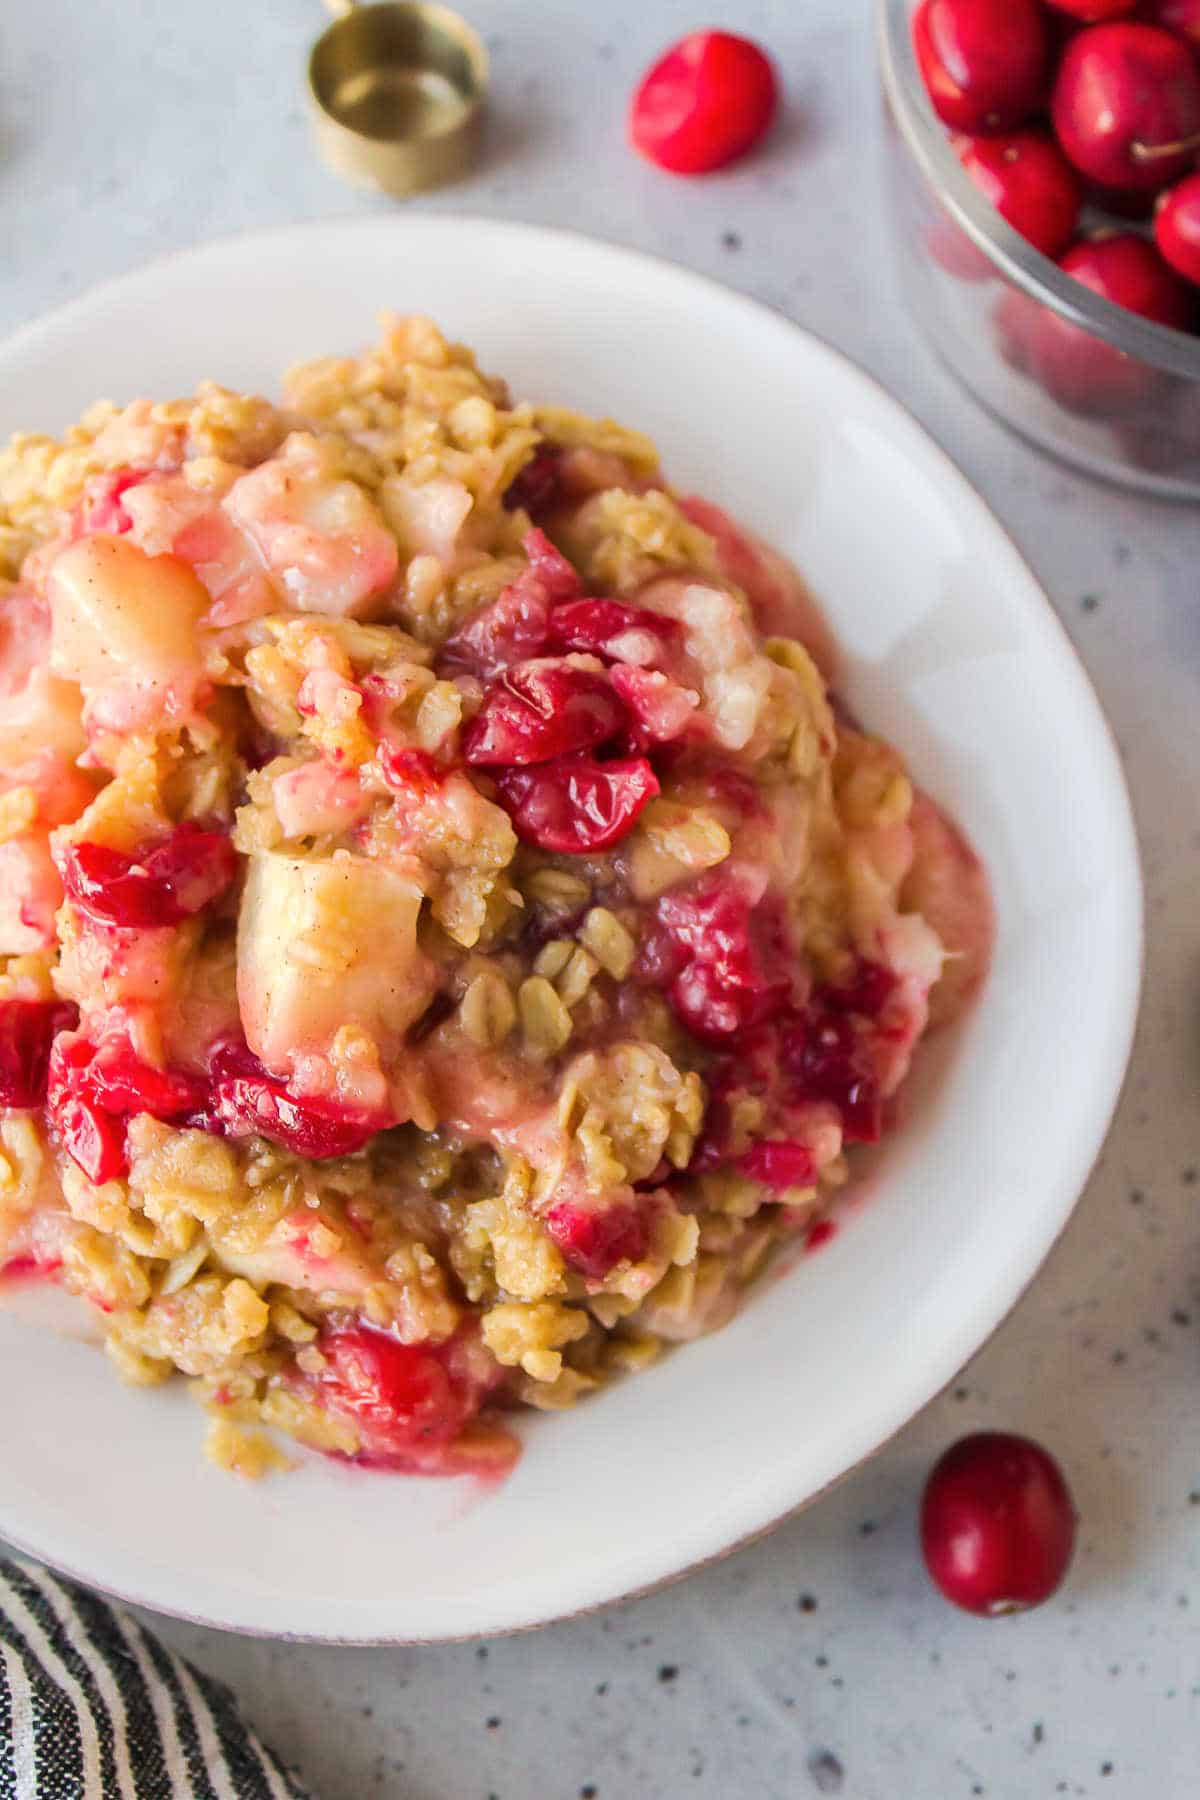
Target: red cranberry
(866, 993)
(100, 507)
(411, 774)
(27, 1030)
(1090, 12)
(828, 1061)
(248, 1101)
(705, 102)
(159, 883)
(1177, 227)
(538, 487)
(1180, 16)
(997, 1524)
(1128, 271)
(542, 709)
(594, 1241)
(513, 627)
(597, 626)
(1030, 183)
(1126, 105)
(93, 1089)
(724, 960)
(779, 1165)
(403, 1398)
(982, 61)
(576, 804)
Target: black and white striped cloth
(94, 1707)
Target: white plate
(952, 650)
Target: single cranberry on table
(705, 102)
(997, 1524)
(1126, 105)
(983, 62)
(1177, 227)
(1030, 183)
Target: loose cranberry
(1030, 183)
(594, 1241)
(246, 1100)
(1092, 11)
(997, 1524)
(92, 1091)
(538, 487)
(983, 62)
(402, 1397)
(705, 102)
(159, 883)
(514, 627)
(27, 1030)
(1126, 105)
(724, 960)
(576, 804)
(598, 627)
(779, 1165)
(1177, 227)
(1180, 16)
(542, 709)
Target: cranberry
(1030, 183)
(1180, 16)
(538, 487)
(159, 883)
(594, 1241)
(779, 1165)
(542, 709)
(1128, 271)
(93, 1089)
(514, 626)
(828, 1061)
(1091, 11)
(598, 627)
(983, 62)
(100, 509)
(246, 1100)
(577, 804)
(411, 774)
(867, 992)
(705, 102)
(27, 1030)
(1126, 105)
(402, 1397)
(724, 960)
(1177, 227)
(997, 1524)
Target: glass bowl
(1087, 380)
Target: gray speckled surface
(817, 1662)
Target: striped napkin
(93, 1707)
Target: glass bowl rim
(926, 138)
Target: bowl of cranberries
(1044, 177)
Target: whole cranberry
(1126, 105)
(997, 1524)
(704, 103)
(1177, 227)
(1128, 271)
(1180, 16)
(1092, 11)
(1030, 183)
(983, 62)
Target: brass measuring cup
(397, 91)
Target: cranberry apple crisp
(450, 934)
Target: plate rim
(1128, 978)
